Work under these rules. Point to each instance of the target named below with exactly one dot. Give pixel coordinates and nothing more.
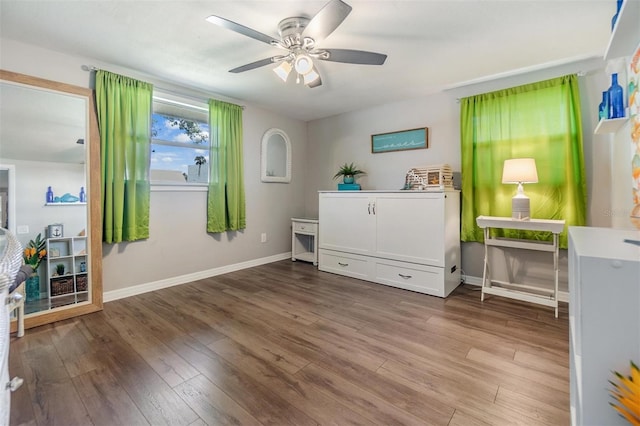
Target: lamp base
(520, 207)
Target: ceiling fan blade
(327, 20)
(241, 29)
(354, 57)
(256, 64)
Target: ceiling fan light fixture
(283, 70)
(311, 76)
(303, 64)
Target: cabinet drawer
(345, 264)
(310, 228)
(423, 279)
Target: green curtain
(541, 121)
(124, 117)
(226, 199)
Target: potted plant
(60, 268)
(34, 252)
(348, 173)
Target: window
(538, 120)
(180, 142)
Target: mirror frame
(94, 211)
(265, 145)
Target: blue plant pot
(348, 179)
(32, 289)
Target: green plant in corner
(627, 395)
(347, 171)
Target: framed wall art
(400, 141)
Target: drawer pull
(406, 277)
(15, 384)
(343, 264)
(369, 208)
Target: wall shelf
(611, 125)
(77, 203)
(626, 33)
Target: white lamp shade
(311, 76)
(283, 70)
(303, 64)
(520, 170)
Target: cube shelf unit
(72, 253)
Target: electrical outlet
(23, 229)
(263, 238)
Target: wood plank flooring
(286, 344)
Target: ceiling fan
(299, 36)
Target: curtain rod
(90, 68)
(577, 73)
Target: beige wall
(179, 245)
(346, 137)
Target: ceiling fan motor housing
(290, 30)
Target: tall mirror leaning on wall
(50, 193)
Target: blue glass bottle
(616, 102)
(49, 195)
(603, 108)
(83, 197)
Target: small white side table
(522, 292)
(304, 240)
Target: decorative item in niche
(400, 141)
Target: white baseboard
(109, 296)
(563, 296)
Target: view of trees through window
(179, 146)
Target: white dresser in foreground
(405, 239)
(604, 318)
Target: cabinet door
(346, 223)
(410, 228)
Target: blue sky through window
(178, 151)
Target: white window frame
(185, 103)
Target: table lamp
(520, 170)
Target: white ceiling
(431, 45)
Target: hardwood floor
(285, 344)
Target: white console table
(522, 292)
(304, 240)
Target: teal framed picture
(400, 141)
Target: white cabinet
(67, 268)
(405, 239)
(304, 240)
(604, 318)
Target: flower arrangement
(34, 252)
(627, 395)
